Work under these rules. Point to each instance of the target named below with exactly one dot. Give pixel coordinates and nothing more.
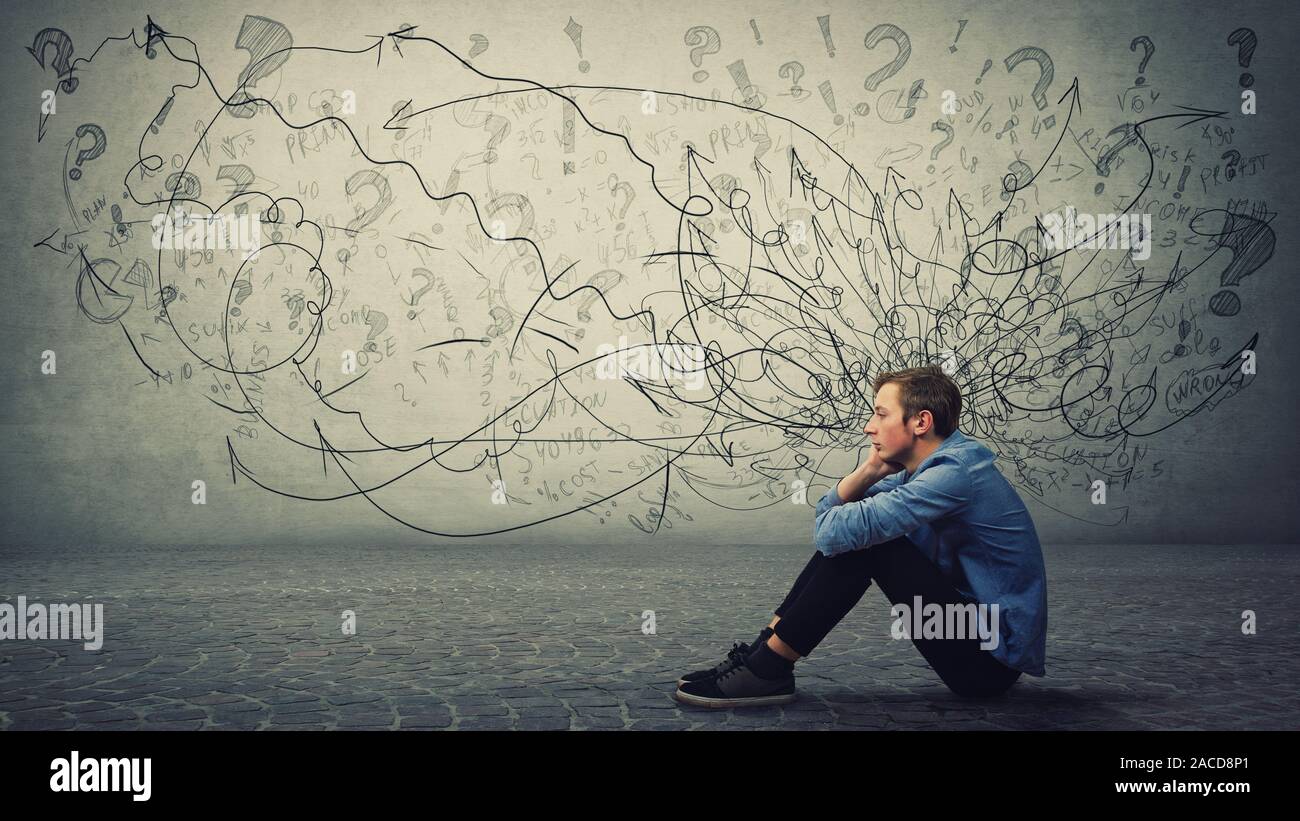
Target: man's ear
(924, 422)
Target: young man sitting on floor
(928, 518)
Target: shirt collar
(954, 438)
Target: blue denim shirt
(966, 518)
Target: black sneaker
(735, 655)
(738, 686)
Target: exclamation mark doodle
(118, 225)
(575, 34)
(961, 26)
(825, 22)
(162, 115)
(988, 64)
(1181, 181)
(829, 97)
(747, 90)
(757, 36)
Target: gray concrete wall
(1079, 370)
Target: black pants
(828, 588)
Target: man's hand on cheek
(853, 487)
(879, 468)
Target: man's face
(889, 434)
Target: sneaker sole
(722, 703)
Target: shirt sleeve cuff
(834, 495)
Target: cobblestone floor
(485, 636)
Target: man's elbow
(818, 541)
(824, 540)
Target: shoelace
(735, 659)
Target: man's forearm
(853, 488)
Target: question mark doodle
(267, 43)
(1251, 242)
(480, 45)
(794, 71)
(706, 41)
(1245, 41)
(498, 127)
(940, 125)
(1045, 68)
(1232, 165)
(502, 321)
(615, 186)
(241, 177)
(373, 179)
(537, 164)
(415, 296)
(295, 305)
(1148, 47)
(467, 114)
(602, 281)
(1108, 156)
(887, 31)
(62, 63)
(96, 150)
(378, 321)
(243, 290)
